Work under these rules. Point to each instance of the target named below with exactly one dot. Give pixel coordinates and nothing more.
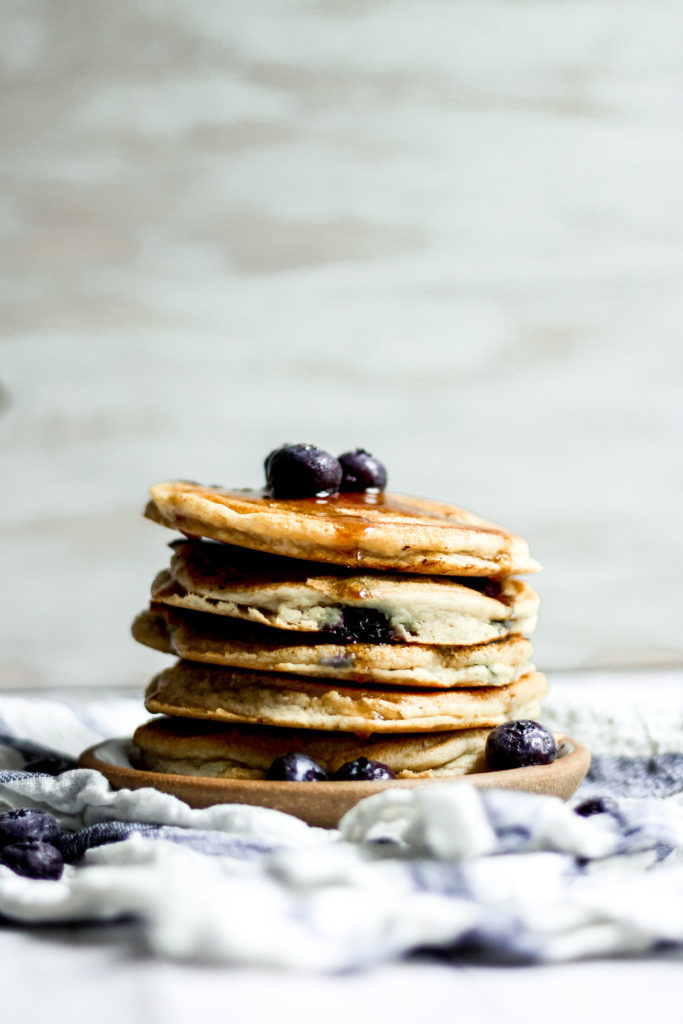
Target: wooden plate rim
(574, 759)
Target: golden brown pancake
(367, 529)
(190, 690)
(188, 747)
(307, 596)
(196, 636)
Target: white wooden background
(448, 231)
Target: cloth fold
(449, 868)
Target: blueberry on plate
(363, 770)
(296, 768)
(302, 471)
(362, 471)
(33, 859)
(519, 744)
(28, 823)
(597, 805)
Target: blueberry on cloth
(28, 823)
(302, 471)
(33, 859)
(597, 805)
(363, 770)
(50, 765)
(519, 744)
(362, 471)
(296, 768)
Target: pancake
(196, 636)
(189, 690)
(289, 594)
(368, 529)
(185, 747)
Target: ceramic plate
(324, 803)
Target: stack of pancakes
(363, 624)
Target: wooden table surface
(450, 233)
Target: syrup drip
(351, 511)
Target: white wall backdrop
(451, 232)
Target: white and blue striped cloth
(501, 875)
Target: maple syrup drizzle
(354, 513)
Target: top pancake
(369, 529)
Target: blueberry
(268, 459)
(486, 586)
(33, 859)
(597, 805)
(362, 471)
(296, 768)
(28, 823)
(365, 770)
(302, 471)
(50, 765)
(519, 744)
(363, 625)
